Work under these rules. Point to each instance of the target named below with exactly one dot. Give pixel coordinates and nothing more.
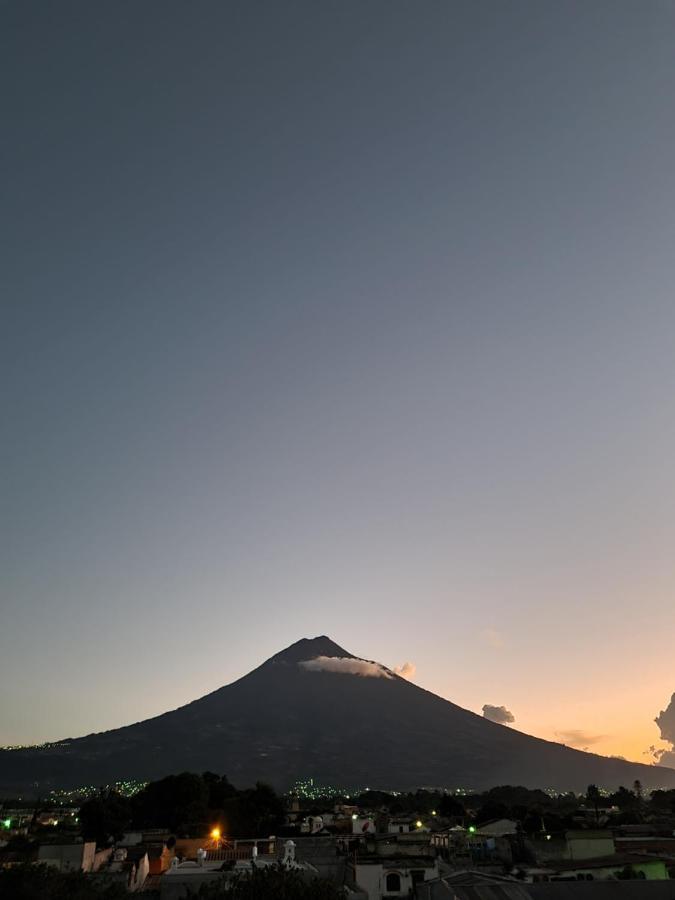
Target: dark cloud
(499, 714)
(576, 738)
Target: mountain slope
(304, 713)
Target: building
(379, 877)
(400, 825)
(498, 828)
(616, 867)
(76, 856)
(391, 866)
(127, 866)
(445, 889)
(185, 877)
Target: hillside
(287, 720)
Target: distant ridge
(300, 715)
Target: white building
(381, 878)
(392, 866)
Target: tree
(105, 817)
(254, 812)
(623, 798)
(451, 807)
(663, 802)
(628, 873)
(593, 797)
(219, 789)
(174, 802)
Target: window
(393, 883)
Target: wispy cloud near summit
(344, 666)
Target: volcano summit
(315, 710)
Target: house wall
(372, 879)
(101, 858)
(653, 871)
(579, 847)
(142, 872)
(69, 857)
(499, 828)
(131, 839)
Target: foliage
(256, 811)
(451, 807)
(220, 789)
(175, 802)
(625, 799)
(105, 817)
(662, 802)
(269, 883)
(628, 873)
(31, 882)
(185, 803)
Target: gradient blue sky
(352, 318)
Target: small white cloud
(343, 665)
(499, 714)
(492, 638)
(407, 670)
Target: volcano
(315, 710)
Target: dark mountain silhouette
(287, 720)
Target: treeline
(535, 810)
(190, 804)
(184, 804)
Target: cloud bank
(343, 665)
(574, 737)
(499, 714)
(666, 722)
(407, 670)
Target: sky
(338, 318)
